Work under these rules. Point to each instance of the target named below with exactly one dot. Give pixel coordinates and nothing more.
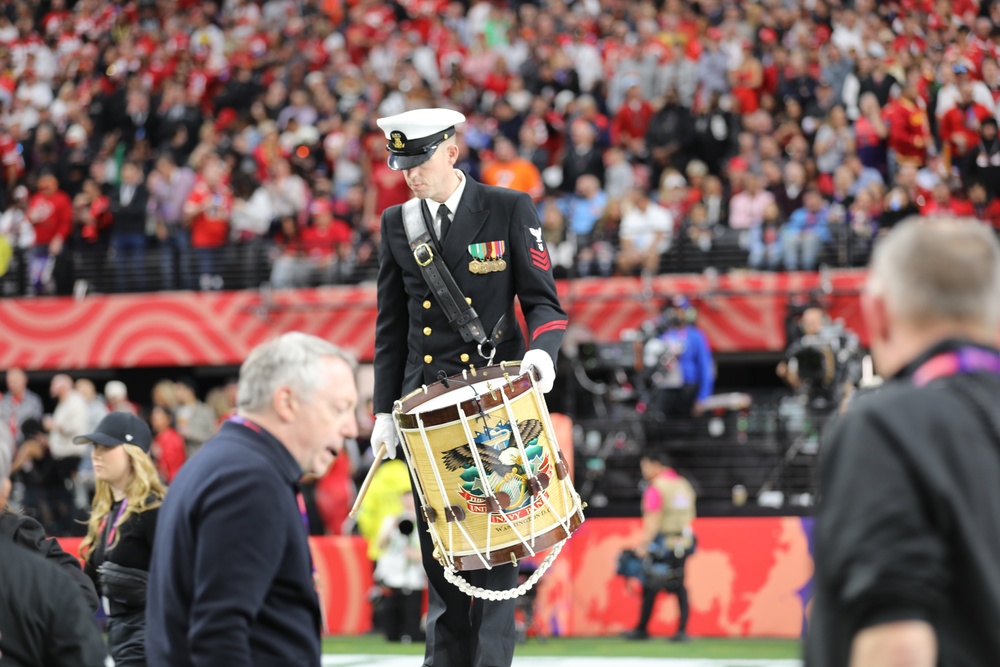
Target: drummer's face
(435, 179)
(323, 423)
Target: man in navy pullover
(231, 581)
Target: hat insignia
(398, 140)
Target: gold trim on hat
(398, 140)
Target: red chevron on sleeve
(554, 325)
(540, 258)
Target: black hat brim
(101, 439)
(400, 162)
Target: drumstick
(368, 481)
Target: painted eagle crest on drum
(506, 471)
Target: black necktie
(444, 221)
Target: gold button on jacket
(464, 357)
(428, 358)
(427, 331)
(427, 305)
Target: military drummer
(490, 240)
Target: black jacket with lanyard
(119, 566)
(907, 527)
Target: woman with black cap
(119, 542)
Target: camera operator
(823, 363)
(668, 512)
(683, 371)
(400, 572)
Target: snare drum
(492, 480)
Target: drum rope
(485, 594)
(449, 554)
(418, 484)
(567, 493)
(475, 454)
(480, 468)
(528, 472)
(568, 490)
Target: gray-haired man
(231, 581)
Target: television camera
(825, 364)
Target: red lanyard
(963, 360)
(243, 421)
(114, 524)
(300, 499)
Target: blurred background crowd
(163, 144)
(53, 479)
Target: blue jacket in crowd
(695, 358)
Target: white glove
(542, 363)
(384, 431)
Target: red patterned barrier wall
(749, 578)
(739, 313)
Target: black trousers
(677, 402)
(127, 639)
(464, 631)
(649, 601)
(401, 614)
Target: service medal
(478, 263)
(487, 257)
(496, 251)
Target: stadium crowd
(176, 144)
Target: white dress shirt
(451, 203)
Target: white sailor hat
(414, 135)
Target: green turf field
(743, 649)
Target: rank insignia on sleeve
(487, 257)
(537, 251)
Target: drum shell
(462, 486)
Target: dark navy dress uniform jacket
(413, 340)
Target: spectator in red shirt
(630, 124)
(909, 131)
(206, 212)
(960, 126)
(11, 160)
(327, 244)
(910, 39)
(322, 253)
(335, 494)
(984, 207)
(386, 187)
(942, 203)
(168, 450)
(51, 212)
(269, 151)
